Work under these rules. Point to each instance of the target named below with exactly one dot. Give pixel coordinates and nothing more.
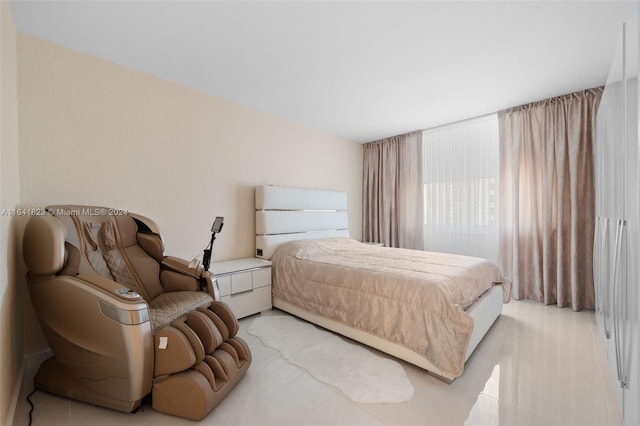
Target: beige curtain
(547, 199)
(392, 192)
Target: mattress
(412, 298)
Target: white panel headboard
(269, 197)
(286, 214)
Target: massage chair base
(54, 378)
(188, 394)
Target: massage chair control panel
(128, 293)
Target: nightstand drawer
(224, 284)
(249, 303)
(241, 282)
(261, 277)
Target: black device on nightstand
(215, 228)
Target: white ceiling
(358, 70)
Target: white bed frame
(286, 214)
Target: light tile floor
(538, 365)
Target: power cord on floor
(31, 404)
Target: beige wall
(94, 132)
(11, 343)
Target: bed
(429, 309)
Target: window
(461, 188)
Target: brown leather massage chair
(123, 320)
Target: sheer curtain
(547, 199)
(461, 188)
(392, 191)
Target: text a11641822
(64, 211)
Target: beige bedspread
(413, 298)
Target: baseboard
(17, 388)
(28, 365)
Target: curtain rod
(435, 127)
(491, 113)
(460, 121)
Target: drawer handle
(241, 292)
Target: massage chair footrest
(194, 393)
(198, 360)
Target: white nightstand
(245, 284)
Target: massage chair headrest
(43, 245)
(46, 253)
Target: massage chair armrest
(111, 287)
(182, 266)
(176, 275)
(99, 336)
(117, 302)
(90, 311)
